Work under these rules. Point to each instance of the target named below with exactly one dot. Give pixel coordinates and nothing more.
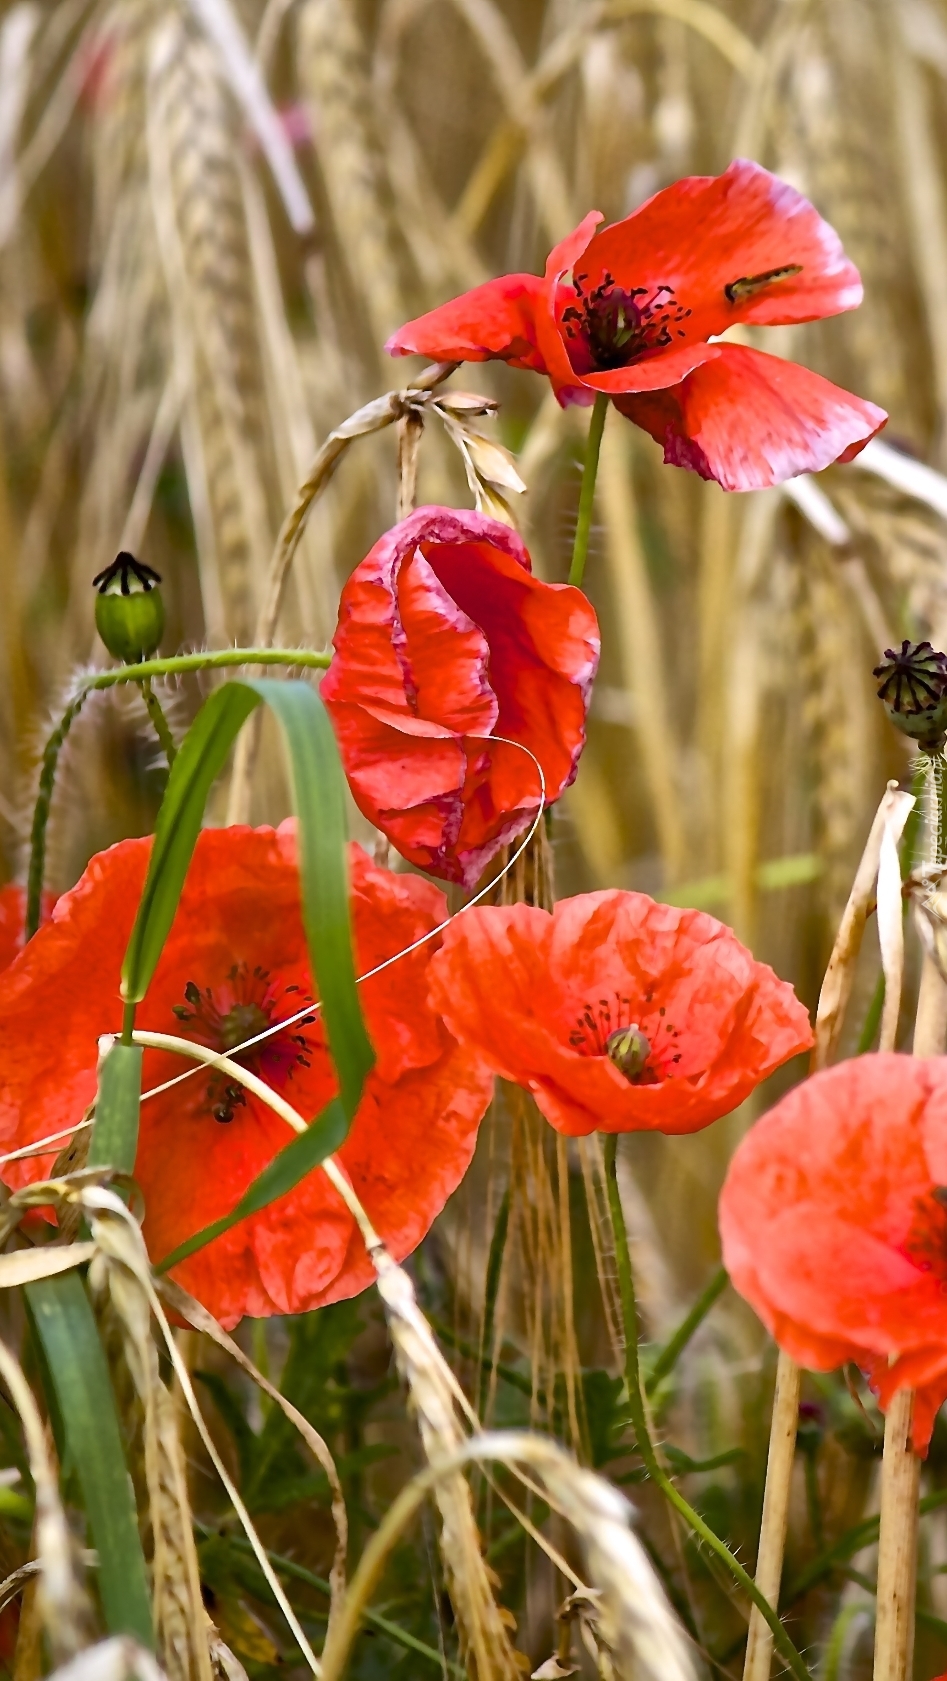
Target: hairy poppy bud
(914, 691)
(629, 1049)
(129, 611)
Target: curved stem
(580, 547)
(44, 797)
(174, 665)
(160, 722)
(639, 1420)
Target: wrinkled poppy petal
(741, 227)
(446, 642)
(831, 1229)
(235, 963)
(630, 310)
(538, 995)
(750, 420)
(13, 919)
(493, 321)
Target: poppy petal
(495, 321)
(742, 246)
(237, 958)
(831, 1229)
(537, 996)
(750, 420)
(456, 674)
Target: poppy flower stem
(160, 722)
(593, 447)
(639, 1419)
(143, 672)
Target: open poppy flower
(635, 310)
(834, 1231)
(617, 1013)
(13, 918)
(234, 963)
(445, 642)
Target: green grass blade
(200, 759)
(115, 1129)
(85, 1404)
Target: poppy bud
(129, 611)
(629, 1050)
(914, 691)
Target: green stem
(160, 722)
(674, 1348)
(580, 547)
(142, 673)
(636, 1407)
(44, 797)
(491, 1291)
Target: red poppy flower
(12, 920)
(618, 1014)
(444, 639)
(633, 310)
(833, 1229)
(235, 962)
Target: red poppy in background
(633, 309)
(834, 1231)
(617, 1013)
(13, 919)
(234, 963)
(444, 639)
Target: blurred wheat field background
(212, 214)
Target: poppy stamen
(246, 1005)
(619, 324)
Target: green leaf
(318, 787)
(78, 1372)
(115, 1129)
(201, 758)
(297, 1158)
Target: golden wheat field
(213, 214)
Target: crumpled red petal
(706, 232)
(830, 1229)
(514, 983)
(493, 321)
(750, 420)
(445, 641)
(13, 919)
(415, 1130)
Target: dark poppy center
(615, 325)
(247, 1003)
(926, 1243)
(635, 1036)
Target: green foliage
(76, 1368)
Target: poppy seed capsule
(129, 611)
(629, 1049)
(914, 691)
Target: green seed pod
(129, 611)
(914, 692)
(629, 1049)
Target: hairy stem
(636, 1406)
(580, 547)
(160, 722)
(44, 798)
(143, 673)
